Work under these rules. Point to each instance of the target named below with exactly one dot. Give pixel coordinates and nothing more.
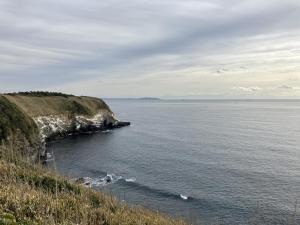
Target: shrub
(40, 94)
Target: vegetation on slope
(40, 94)
(57, 104)
(32, 195)
(14, 120)
(17, 111)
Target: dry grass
(58, 105)
(30, 194)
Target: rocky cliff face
(60, 125)
(44, 118)
(57, 126)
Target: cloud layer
(115, 48)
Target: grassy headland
(37, 105)
(17, 113)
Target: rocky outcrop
(53, 127)
(58, 126)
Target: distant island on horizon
(204, 99)
(136, 98)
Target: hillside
(29, 119)
(32, 195)
(19, 129)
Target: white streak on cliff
(62, 124)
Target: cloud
(247, 89)
(208, 46)
(287, 87)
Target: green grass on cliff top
(54, 103)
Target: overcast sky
(161, 48)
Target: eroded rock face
(54, 126)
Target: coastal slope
(33, 118)
(32, 195)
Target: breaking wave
(99, 181)
(133, 179)
(108, 179)
(154, 191)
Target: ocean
(208, 161)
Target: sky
(157, 48)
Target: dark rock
(108, 179)
(119, 124)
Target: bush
(40, 94)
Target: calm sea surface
(211, 162)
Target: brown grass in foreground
(31, 195)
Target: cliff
(28, 120)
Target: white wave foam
(184, 197)
(101, 181)
(133, 179)
(88, 181)
(48, 155)
(106, 131)
(112, 178)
